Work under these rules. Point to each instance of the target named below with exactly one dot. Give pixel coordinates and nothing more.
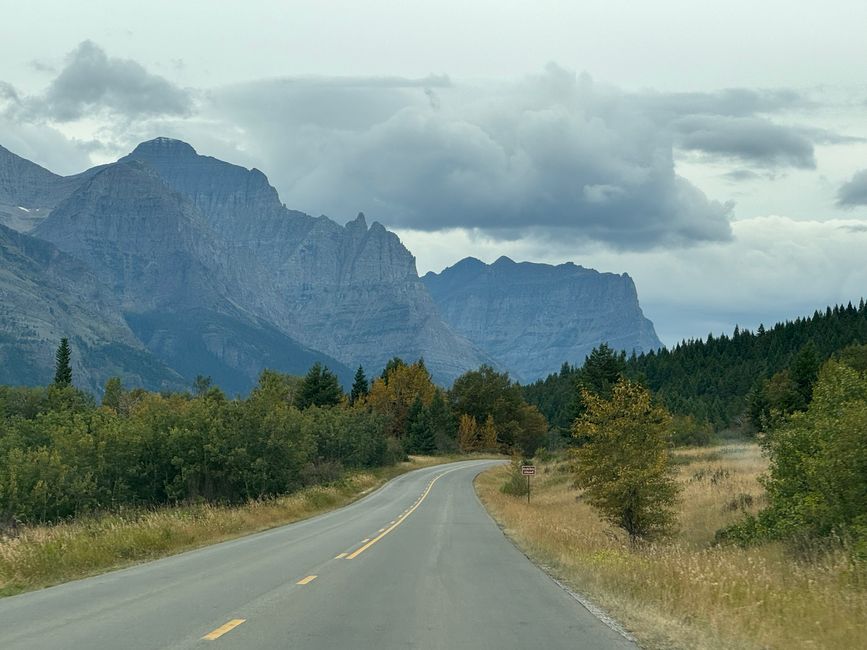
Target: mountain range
(168, 264)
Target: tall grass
(39, 556)
(687, 592)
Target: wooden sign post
(528, 471)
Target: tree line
(63, 454)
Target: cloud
(730, 102)
(752, 139)
(552, 154)
(92, 81)
(853, 192)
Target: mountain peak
(504, 261)
(163, 146)
(359, 223)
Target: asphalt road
(416, 564)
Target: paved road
(417, 564)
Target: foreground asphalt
(417, 564)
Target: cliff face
(47, 295)
(350, 291)
(172, 276)
(533, 317)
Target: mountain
(533, 317)
(48, 295)
(156, 254)
(350, 291)
(214, 275)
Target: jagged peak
(503, 261)
(359, 223)
(164, 147)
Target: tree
(816, 485)
(62, 367)
(625, 467)
(485, 392)
(394, 395)
(360, 387)
(468, 434)
(319, 388)
(601, 370)
(488, 435)
(420, 435)
(113, 394)
(393, 364)
(201, 385)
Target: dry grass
(686, 592)
(39, 556)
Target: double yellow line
(399, 520)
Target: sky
(715, 151)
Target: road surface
(416, 564)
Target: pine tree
(420, 435)
(319, 388)
(360, 387)
(62, 367)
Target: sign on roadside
(528, 470)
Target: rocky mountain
(350, 291)
(533, 317)
(47, 295)
(213, 275)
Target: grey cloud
(824, 136)
(554, 154)
(91, 81)
(854, 192)
(731, 102)
(752, 139)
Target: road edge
(583, 600)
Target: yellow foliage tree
(468, 433)
(488, 435)
(394, 395)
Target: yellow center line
(399, 520)
(306, 580)
(379, 531)
(341, 556)
(220, 631)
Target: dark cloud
(752, 139)
(92, 81)
(555, 154)
(853, 193)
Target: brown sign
(528, 470)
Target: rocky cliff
(533, 317)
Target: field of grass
(687, 592)
(39, 556)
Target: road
(416, 564)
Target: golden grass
(686, 592)
(39, 556)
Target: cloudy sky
(715, 151)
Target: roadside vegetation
(691, 543)
(85, 487)
(686, 590)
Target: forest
(721, 382)
(63, 455)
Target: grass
(40, 556)
(687, 592)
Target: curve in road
(416, 564)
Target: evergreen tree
(602, 369)
(201, 385)
(420, 435)
(62, 367)
(442, 424)
(393, 364)
(360, 387)
(319, 388)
